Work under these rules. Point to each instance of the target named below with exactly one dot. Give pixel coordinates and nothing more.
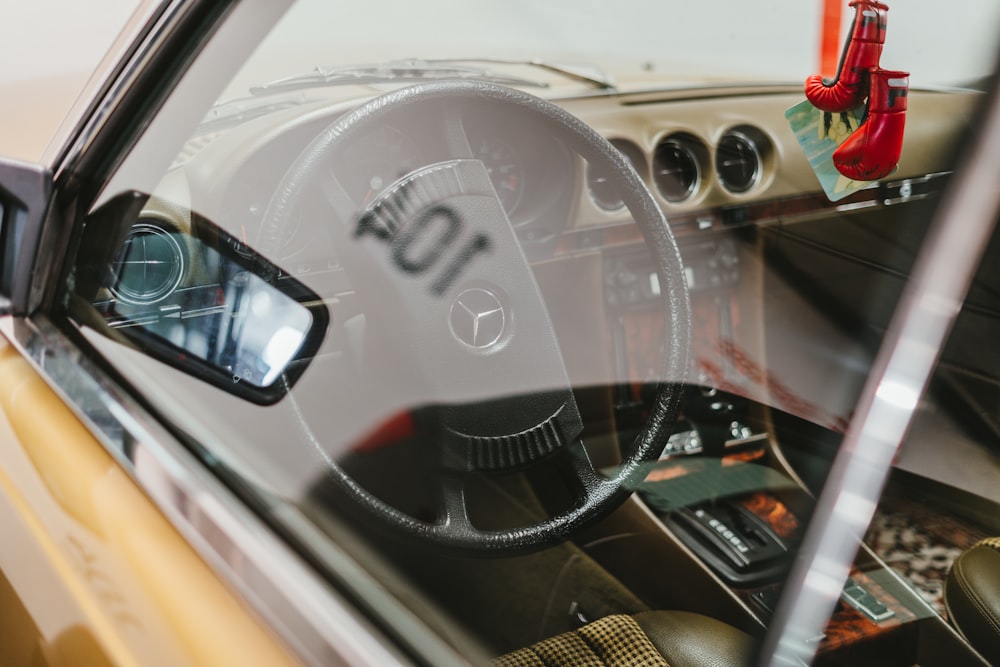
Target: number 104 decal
(430, 243)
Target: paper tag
(819, 133)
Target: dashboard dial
(504, 168)
(378, 160)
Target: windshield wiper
(590, 76)
(393, 71)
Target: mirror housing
(25, 193)
(187, 293)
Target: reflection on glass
(234, 320)
(149, 266)
(209, 305)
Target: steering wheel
(455, 295)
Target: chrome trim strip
(856, 206)
(101, 93)
(947, 263)
(314, 620)
(93, 89)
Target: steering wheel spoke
(454, 508)
(583, 468)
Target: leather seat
(653, 638)
(972, 597)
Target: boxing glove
(861, 52)
(873, 150)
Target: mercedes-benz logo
(477, 318)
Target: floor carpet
(920, 544)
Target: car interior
(566, 375)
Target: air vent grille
(602, 191)
(676, 168)
(738, 162)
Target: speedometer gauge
(505, 170)
(377, 160)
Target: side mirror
(187, 293)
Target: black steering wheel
(457, 298)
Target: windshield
(546, 313)
(634, 43)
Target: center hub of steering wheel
(478, 319)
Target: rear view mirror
(189, 294)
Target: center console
(721, 515)
(741, 518)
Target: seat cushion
(686, 639)
(650, 639)
(972, 597)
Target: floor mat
(920, 544)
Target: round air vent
(738, 161)
(149, 266)
(677, 168)
(602, 192)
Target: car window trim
(144, 17)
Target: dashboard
(711, 156)
(719, 162)
(727, 155)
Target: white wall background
(49, 47)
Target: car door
(107, 558)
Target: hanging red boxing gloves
(861, 52)
(873, 150)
